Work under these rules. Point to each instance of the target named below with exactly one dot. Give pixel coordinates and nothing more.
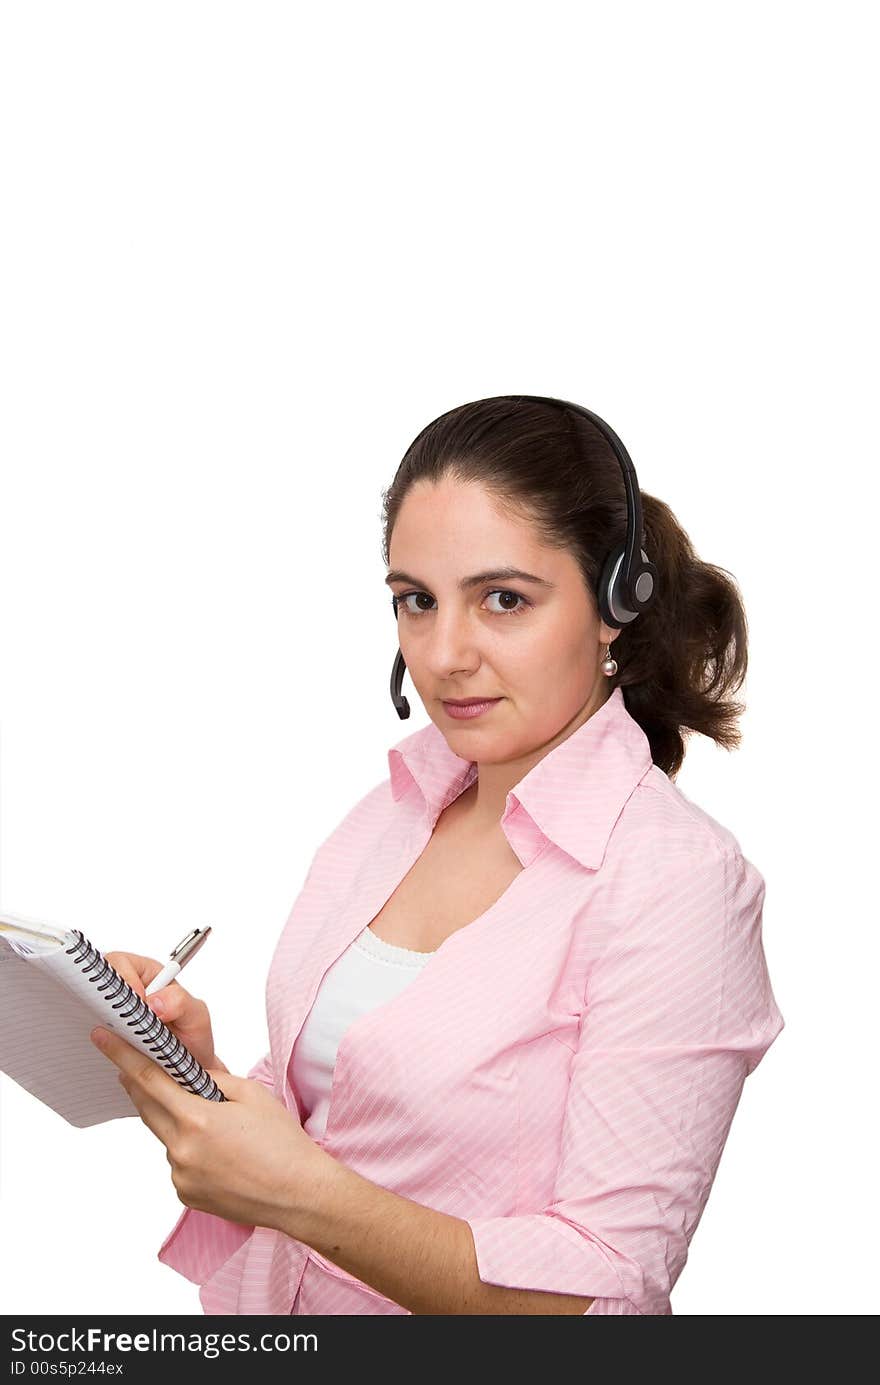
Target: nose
(451, 643)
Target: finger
(165, 1122)
(157, 1098)
(136, 1067)
(138, 971)
(117, 1050)
(158, 1118)
(126, 970)
(170, 1002)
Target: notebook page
(44, 1038)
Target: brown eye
(507, 609)
(510, 609)
(408, 610)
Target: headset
(627, 583)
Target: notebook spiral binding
(174, 1056)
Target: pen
(185, 950)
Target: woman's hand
(247, 1159)
(185, 1016)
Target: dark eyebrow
(501, 574)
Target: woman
(515, 1003)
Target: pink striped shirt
(563, 1072)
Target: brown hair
(678, 661)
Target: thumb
(241, 1088)
(232, 1087)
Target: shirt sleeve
(262, 1071)
(678, 1011)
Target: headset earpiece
(617, 605)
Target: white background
(248, 251)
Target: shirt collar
(573, 795)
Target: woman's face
(536, 645)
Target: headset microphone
(628, 580)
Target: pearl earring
(609, 665)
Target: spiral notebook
(55, 986)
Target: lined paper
(47, 1011)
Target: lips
(468, 701)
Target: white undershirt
(368, 973)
